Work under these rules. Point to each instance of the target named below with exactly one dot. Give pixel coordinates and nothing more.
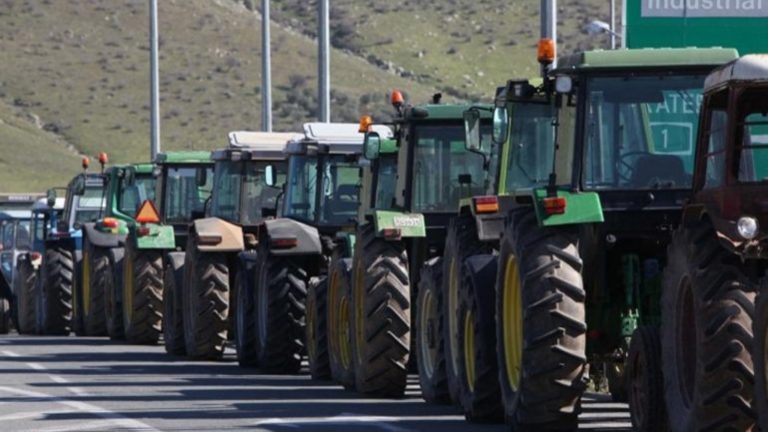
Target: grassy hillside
(74, 79)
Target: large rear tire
(281, 294)
(646, 381)
(540, 324)
(429, 343)
(93, 286)
(707, 315)
(173, 319)
(142, 298)
(381, 320)
(206, 303)
(760, 356)
(317, 329)
(113, 294)
(339, 321)
(5, 316)
(480, 394)
(461, 242)
(26, 275)
(55, 304)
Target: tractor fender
(102, 239)
(225, 236)
(307, 237)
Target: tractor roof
(183, 157)
(42, 204)
(91, 179)
(140, 168)
(245, 145)
(333, 138)
(450, 111)
(645, 58)
(19, 198)
(750, 68)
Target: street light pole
(549, 24)
(266, 70)
(323, 66)
(154, 81)
(613, 24)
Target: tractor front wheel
(760, 356)
(339, 321)
(26, 277)
(429, 343)
(55, 302)
(90, 307)
(645, 381)
(540, 324)
(142, 295)
(113, 294)
(706, 334)
(381, 320)
(173, 320)
(317, 328)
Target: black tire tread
(317, 298)
(206, 313)
(434, 388)
(56, 290)
(26, 276)
(146, 321)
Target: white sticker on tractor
(406, 221)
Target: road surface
(63, 384)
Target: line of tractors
(597, 229)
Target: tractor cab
(84, 203)
(732, 156)
(324, 176)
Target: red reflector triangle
(147, 213)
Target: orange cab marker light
(546, 51)
(147, 213)
(554, 205)
(365, 123)
(486, 204)
(103, 159)
(142, 231)
(392, 233)
(284, 243)
(397, 98)
(86, 162)
(109, 222)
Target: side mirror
(51, 198)
(201, 176)
(563, 84)
(269, 176)
(472, 129)
(500, 124)
(372, 145)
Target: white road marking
(36, 366)
(10, 354)
(115, 419)
(98, 424)
(35, 414)
(381, 422)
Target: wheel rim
(469, 350)
(638, 396)
(358, 298)
(86, 285)
(427, 352)
(310, 323)
(686, 342)
(512, 323)
(345, 350)
(127, 290)
(453, 305)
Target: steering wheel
(629, 169)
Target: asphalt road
(91, 384)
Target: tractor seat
(652, 170)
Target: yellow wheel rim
(127, 288)
(469, 350)
(512, 323)
(310, 317)
(358, 296)
(86, 285)
(453, 320)
(428, 311)
(345, 350)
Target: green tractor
(717, 263)
(221, 247)
(417, 180)
(125, 188)
(518, 161)
(578, 284)
(157, 236)
(284, 303)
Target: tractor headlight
(747, 227)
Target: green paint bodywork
(409, 224)
(114, 175)
(179, 157)
(580, 208)
(388, 146)
(160, 237)
(451, 112)
(645, 58)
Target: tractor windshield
(89, 205)
(183, 195)
(386, 181)
(257, 194)
(131, 197)
(752, 134)
(639, 131)
(336, 203)
(530, 148)
(444, 171)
